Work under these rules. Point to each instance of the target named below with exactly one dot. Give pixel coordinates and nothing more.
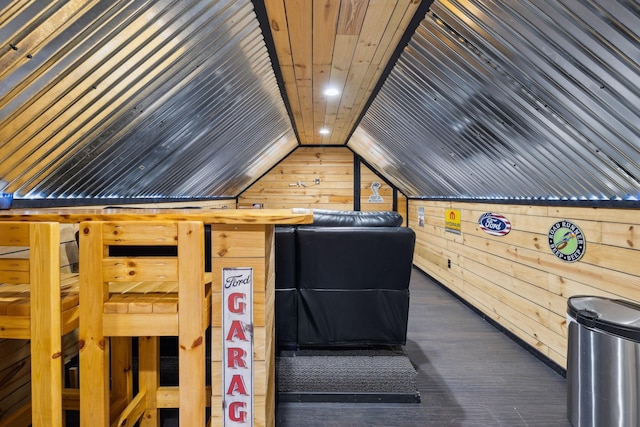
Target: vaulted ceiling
(334, 45)
(465, 98)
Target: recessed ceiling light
(324, 131)
(331, 91)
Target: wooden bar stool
(37, 305)
(145, 297)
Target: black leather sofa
(343, 281)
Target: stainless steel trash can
(603, 362)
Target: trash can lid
(617, 317)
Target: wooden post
(46, 331)
(191, 346)
(94, 348)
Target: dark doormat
(346, 375)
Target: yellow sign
(452, 221)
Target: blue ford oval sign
(494, 224)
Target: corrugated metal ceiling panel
(537, 99)
(136, 99)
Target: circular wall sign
(566, 241)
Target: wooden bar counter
(243, 342)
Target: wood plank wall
(15, 362)
(334, 167)
(291, 183)
(367, 192)
(367, 178)
(515, 279)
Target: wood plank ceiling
(340, 44)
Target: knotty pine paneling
(515, 279)
(371, 185)
(291, 184)
(402, 206)
(369, 203)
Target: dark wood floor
(469, 374)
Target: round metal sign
(566, 241)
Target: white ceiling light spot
(331, 91)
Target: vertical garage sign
(237, 348)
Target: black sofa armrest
(285, 249)
(353, 285)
